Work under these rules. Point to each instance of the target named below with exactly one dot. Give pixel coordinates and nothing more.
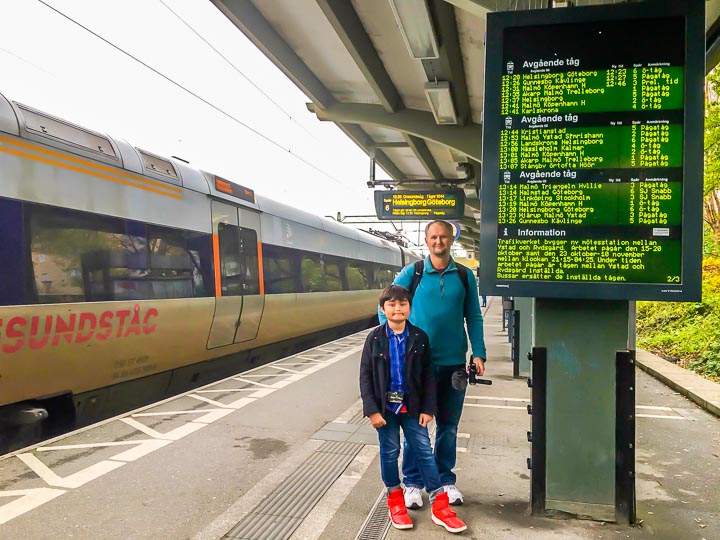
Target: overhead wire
(238, 70)
(197, 96)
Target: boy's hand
(377, 420)
(479, 365)
(425, 419)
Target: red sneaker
(398, 513)
(443, 515)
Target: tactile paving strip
(283, 510)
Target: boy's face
(396, 310)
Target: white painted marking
(262, 392)
(660, 416)
(32, 498)
(495, 406)
(147, 446)
(463, 435)
(224, 390)
(174, 435)
(461, 449)
(240, 379)
(286, 369)
(72, 481)
(210, 401)
(654, 408)
(29, 500)
(264, 375)
(498, 398)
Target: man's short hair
(441, 222)
(394, 292)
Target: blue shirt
(397, 364)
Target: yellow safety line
(85, 171)
(92, 164)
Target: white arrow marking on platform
(74, 480)
(29, 500)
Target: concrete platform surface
(283, 452)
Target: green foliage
(686, 333)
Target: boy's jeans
(450, 405)
(416, 437)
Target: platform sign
(592, 152)
(420, 205)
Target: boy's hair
(394, 292)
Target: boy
(397, 386)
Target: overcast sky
(254, 131)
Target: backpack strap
(419, 267)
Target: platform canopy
(402, 78)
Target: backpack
(420, 267)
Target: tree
(711, 193)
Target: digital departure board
(592, 152)
(420, 205)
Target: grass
(687, 333)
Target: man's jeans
(450, 405)
(418, 439)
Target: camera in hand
(472, 375)
(462, 377)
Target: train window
(43, 124)
(358, 275)
(332, 273)
(281, 270)
(81, 257)
(384, 276)
(158, 165)
(321, 273)
(14, 266)
(238, 260)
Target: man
(441, 306)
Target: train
(127, 276)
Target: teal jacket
(437, 308)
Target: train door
(238, 303)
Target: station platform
(283, 451)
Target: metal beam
(449, 67)
(467, 139)
(347, 25)
(391, 145)
(244, 15)
(363, 140)
(476, 7)
(426, 158)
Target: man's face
(438, 240)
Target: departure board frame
(539, 238)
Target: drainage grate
(377, 523)
(283, 510)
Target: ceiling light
(441, 102)
(413, 18)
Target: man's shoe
(454, 495)
(443, 515)
(413, 497)
(396, 509)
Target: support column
(581, 339)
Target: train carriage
(126, 276)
